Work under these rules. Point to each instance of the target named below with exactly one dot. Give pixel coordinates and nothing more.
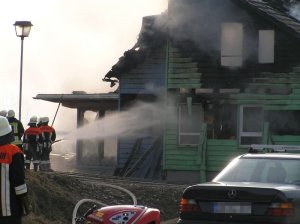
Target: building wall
(141, 84)
(195, 65)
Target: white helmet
(10, 113)
(45, 119)
(33, 120)
(5, 128)
(3, 113)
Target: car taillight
(281, 209)
(189, 205)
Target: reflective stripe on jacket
(12, 180)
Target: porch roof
(94, 102)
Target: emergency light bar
(273, 148)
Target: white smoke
(138, 120)
(295, 11)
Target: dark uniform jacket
(33, 136)
(49, 134)
(18, 130)
(12, 181)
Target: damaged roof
(154, 32)
(279, 14)
(151, 37)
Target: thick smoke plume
(138, 121)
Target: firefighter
(32, 144)
(14, 200)
(3, 113)
(17, 128)
(49, 137)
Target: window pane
(189, 139)
(266, 46)
(284, 122)
(252, 119)
(190, 123)
(231, 44)
(231, 61)
(251, 140)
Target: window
(266, 46)
(190, 124)
(232, 44)
(251, 125)
(283, 122)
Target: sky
(71, 46)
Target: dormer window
(232, 44)
(266, 46)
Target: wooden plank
(221, 142)
(184, 75)
(184, 81)
(181, 152)
(183, 65)
(177, 86)
(211, 153)
(222, 148)
(286, 138)
(268, 102)
(272, 81)
(171, 141)
(171, 137)
(264, 96)
(274, 85)
(182, 70)
(142, 81)
(181, 167)
(180, 60)
(214, 168)
(282, 107)
(179, 158)
(219, 159)
(218, 163)
(171, 131)
(296, 91)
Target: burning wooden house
(229, 69)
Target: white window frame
(245, 133)
(266, 45)
(232, 36)
(188, 133)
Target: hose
(79, 203)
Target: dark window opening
(221, 121)
(284, 122)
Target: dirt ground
(54, 197)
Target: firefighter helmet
(5, 128)
(10, 113)
(3, 113)
(45, 119)
(33, 120)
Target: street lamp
(22, 30)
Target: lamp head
(23, 28)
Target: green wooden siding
(219, 153)
(177, 157)
(182, 72)
(286, 140)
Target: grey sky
(72, 44)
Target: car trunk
(228, 202)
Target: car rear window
(264, 170)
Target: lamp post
(22, 30)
